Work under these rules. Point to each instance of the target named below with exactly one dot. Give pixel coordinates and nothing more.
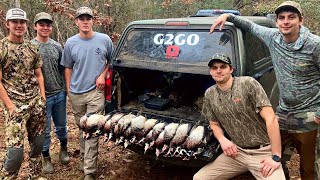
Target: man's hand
(100, 82)
(268, 166)
(221, 20)
(229, 148)
(317, 120)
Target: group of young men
(35, 79)
(237, 106)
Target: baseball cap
(219, 57)
(16, 13)
(42, 16)
(288, 4)
(84, 10)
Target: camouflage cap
(219, 57)
(42, 16)
(16, 13)
(84, 10)
(288, 4)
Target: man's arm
(67, 77)
(273, 130)
(228, 147)
(4, 96)
(40, 79)
(101, 80)
(263, 33)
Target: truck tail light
(108, 88)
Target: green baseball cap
(83, 10)
(42, 16)
(219, 57)
(288, 4)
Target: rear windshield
(176, 46)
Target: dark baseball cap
(219, 57)
(287, 5)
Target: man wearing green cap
(240, 107)
(295, 53)
(22, 93)
(51, 53)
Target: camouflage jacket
(297, 68)
(17, 63)
(237, 111)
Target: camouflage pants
(27, 117)
(298, 130)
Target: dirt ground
(115, 162)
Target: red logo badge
(172, 52)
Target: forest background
(111, 16)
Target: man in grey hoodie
(295, 53)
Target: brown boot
(64, 157)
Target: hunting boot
(47, 165)
(64, 157)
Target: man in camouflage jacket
(295, 53)
(22, 92)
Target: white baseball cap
(16, 13)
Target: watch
(276, 158)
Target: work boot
(47, 167)
(64, 157)
(89, 177)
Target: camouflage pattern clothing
(17, 64)
(237, 111)
(297, 68)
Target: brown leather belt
(256, 147)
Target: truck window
(256, 50)
(176, 46)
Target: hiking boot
(47, 165)
(64, 157)
(89, 177)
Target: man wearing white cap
(85, 58)
(295, 53)
(51, 53)
(22, 92)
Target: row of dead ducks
(167, 139)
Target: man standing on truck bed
(22, 93)
(295, 53)
(240, 106)
(85, 59)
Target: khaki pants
(92, 101)
(305, 143)
(225, 167)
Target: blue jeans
(56, 108)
